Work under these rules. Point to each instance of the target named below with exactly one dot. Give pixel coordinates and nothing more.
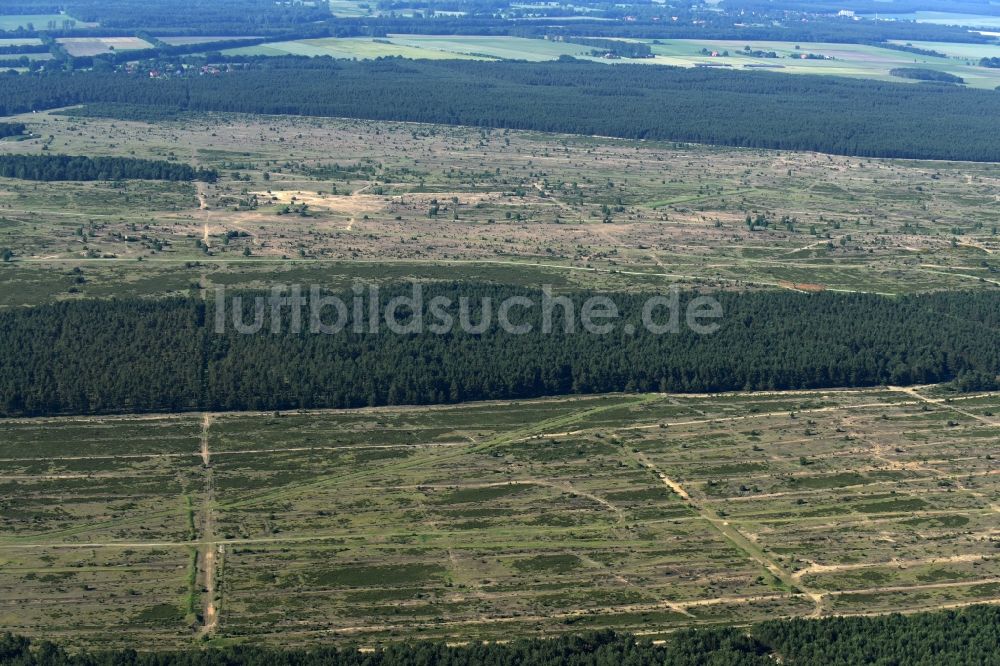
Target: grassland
(309, 203)
(643, 513)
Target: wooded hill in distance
(756, 109)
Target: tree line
(942, 638)
(137, 355)
(750, 109)
(23, 48)
(73, 167)
(220, 17)
(923, 74)
(12, 129)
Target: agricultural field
(350, 47)
(423, 47)
(301, 199)
(506, 48)
(349, 8)
(851, 60)
(642, 513)
(971, 53)
(91, 46)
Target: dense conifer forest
(12, 129)
(759, 110)
(136, 355)
(70, 167)
(949, 638)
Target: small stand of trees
(920, 74)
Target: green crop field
(642, 513)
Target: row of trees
(69, 167)
(23, 48)
(752, 109)
(129, 355)
(910, 48)
(949, 638)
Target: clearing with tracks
(638, 512)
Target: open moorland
(302, 199)
(643, 513)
